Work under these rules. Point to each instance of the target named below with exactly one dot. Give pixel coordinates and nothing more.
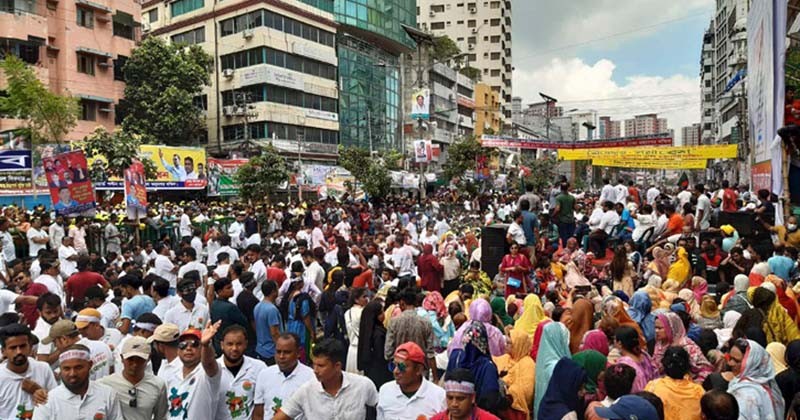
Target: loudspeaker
(493, 247)
(744, 223)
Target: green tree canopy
(162, 79)
(461, 156)
(543, 171)
(471, 72)
(444, 49)
(49, 116)
(119, 150)
(371, 173)
(262, 175)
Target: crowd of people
(621, 303)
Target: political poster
(68, 180)
(14, 140)
(177, 168)
(422, 151)
(135, 189)
(421, 104)
(16, 176)
(222, 176)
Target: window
(277, 58)
(152, 15)
(437, 25)
(494, 5)
(86, 64)
(85, 17)
(495, 39)
(495, 73)
(708, 83)
(201, 102)
(460, 22)
(472, 40)
(194, 36)
(495, 22)
(123, 25)
(471, 23)
(119, 65)
(180, 7)
(472, 58)
(439, 8)
(88, 110)
(495, 56)
(278, 22)
(25, 51)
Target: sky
(618, 57)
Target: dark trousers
(597, 243)
(566, 231)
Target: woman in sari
(680, 270)
(564, 396)
(670, 292)
(371, 343)
(778, 326)
(537, 337)
(613, 307)
(639, 309)
(473, 354)
(593, 362)
(681, 396)
(660, 264)
(499, 310)
(626, 341)
(699, 288)
(516, 268)
(554, 347)
(670, 332)
(788, 302)
(595, 340)
(754, 385)
(709, 314)
(581, 320)
(434, 311)
(515, 369)
(480, 311)
(532, 314)
(430, 270)
(777, 353)
(693, 306)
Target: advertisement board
(177, 168)
(720, 151)
(221, 176)
(135, 188)
(421, 104)
(69, 184)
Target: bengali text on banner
(721, 151)
(651, 163)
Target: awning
(93, 51)
(93, 5)
(95, 98)
(124, 18)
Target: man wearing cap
(145, 325)
(278, 382)
(239, 373)
(459, 386)
(78, 397)
(628, 407)
(410, 395)
(165, 343)
(89, 324)
(187, 314)
(142, 395)
(194, 392)
(64, 334)
(137, 303)
(24, 381)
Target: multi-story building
(482, 30)
(608, 128)
(487, 110)
(707, 97)
(729, 58)
(371, 38)
(645, 124)
(691, 134)
(276, 70)
(76, 48)
(543, 109)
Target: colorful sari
(676, 336)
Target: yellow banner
(651, 163)
(177, 168)
(721, 151)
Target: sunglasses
(133, 392)
(401, 366)
(183, 345)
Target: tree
(262, 174)
(392, 159)
(162, 79)
(49, 116)
(444, 49)
(472, 73)
(119, 149)
(543, 171)
(371, 173)
(461, 156)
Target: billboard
(421, 104)
(68, 180)
(422, 151)
(221, 176)
(16, 172)
(135, 188)
(177, 168)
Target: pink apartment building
(77, 47)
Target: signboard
(135, 188)
(271, 75)
(14, 140)
(16, 176)
(644, 163)
(15, 160)
(762, 176)
(177, 168)
(68, 180)
(421, 104)
(221, 176)
(720, 151)
(518, 143)
(422, 151)
(322, 115)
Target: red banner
(68, 180)
(135, 188)
(514, 143)
(762, 176)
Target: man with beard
(78, 397)
(143, 395)
(194, 392)
(278, 382)
(50, 311)
(24, 381)
(239, 373)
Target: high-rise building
(707, 87)
(371, 39)
(276, 70)
(482, 30)
(487, 110)
(75, 48)
(543, 109)
(729, 59)
(645, 125)
(691, 134)
(608, 128)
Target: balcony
(18, 23)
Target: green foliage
(371, 173)
(393, 159)
(49, 116)
(461, 156)
(793, 68)
(472, 73)
(489, 131)
(161, 81)
(262, 175)
(119, 149)
(543, 171)
(444, 49)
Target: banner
(68, 180)
(16, 172)
(762, 176)
(515, 143)
(14, 140)
(135, 189)
(422, 151)
(221, 176)
(651, 163)
(421, 104)
(720, 151)
(177, 168)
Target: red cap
(192, 332)
(410, 351)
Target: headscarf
(595, 340)
(474, 355)
(699, 288)
(593, 362)
(499, 309)
(532, 314)
(518, 366)
(640, 311)
(709, 308)
(688, 296)
(561, 396)
(554, 347)
(537, 337)
(434, 302)
(676, 336)
(741, 283)
(755, 388)
(660, 263)
(777, 353)
(778, 326)
(784, 299)
(581, 321)
(680, 270)
(481, 311)
(614, 308)
(729, 321)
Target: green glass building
(369, 44)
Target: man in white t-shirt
(239, 373)
(278, 382)
(410, 395)
(515, 233)
(37, 238)
(608, 193)
(343, 228)
(185, 228)
(6, 241)
(50, 278)
(702, 217)
(68, 257)
(24, 382)
(165, 268)
(403, 257)
(189, 258)
(683, 197)
(64, 334)
(620, 192)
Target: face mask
(791, 227)
(189, 297)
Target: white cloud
(577, 84)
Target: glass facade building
(369, 44)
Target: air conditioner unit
(473, 10)
(239, 110)
(432, 13)
(145, 27)
(228, 111)
(474, 31)
(227, 73)
(247, 33)
(471, 47)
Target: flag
(683, 182)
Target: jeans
(565, 231)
